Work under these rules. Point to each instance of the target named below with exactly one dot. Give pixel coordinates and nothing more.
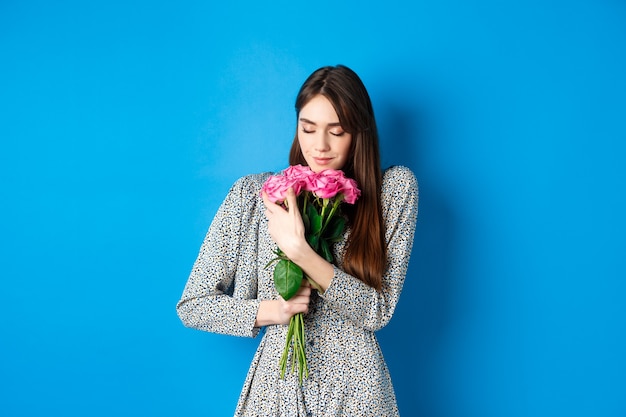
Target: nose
(321, 142)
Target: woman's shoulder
(398, 176)
(400, 193)
(246, 191)
(247, 187)
(252, 181)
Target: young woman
(230, 291)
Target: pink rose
(327, 183)
(295, 183)
(324, 184)
(350, 191)
(301, 175)
(297, 177)
(298, 171)
(276, 188)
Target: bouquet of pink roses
(319, 197)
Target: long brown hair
(366, 256)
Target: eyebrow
(302, 119)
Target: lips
(322, 161)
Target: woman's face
(324, 143)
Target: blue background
(123, 124)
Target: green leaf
(316, 220)
(326, 253)
(335, 228)
(314, 242)
(287, 278)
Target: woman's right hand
(280, 311)
(299, 303)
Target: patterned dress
(348, 375)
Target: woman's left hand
(287, 230)
(285, 225)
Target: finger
(299, 300)
(303, 298)
(291, 199)
(299, 307)
(266, 201)
(304, 290)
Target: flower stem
(326, 220)
(295, 339)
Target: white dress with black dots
(348, 375)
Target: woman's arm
(351, 297)
(220, 294)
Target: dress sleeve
(351, 297)
(221, 293)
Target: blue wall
(122, 126)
